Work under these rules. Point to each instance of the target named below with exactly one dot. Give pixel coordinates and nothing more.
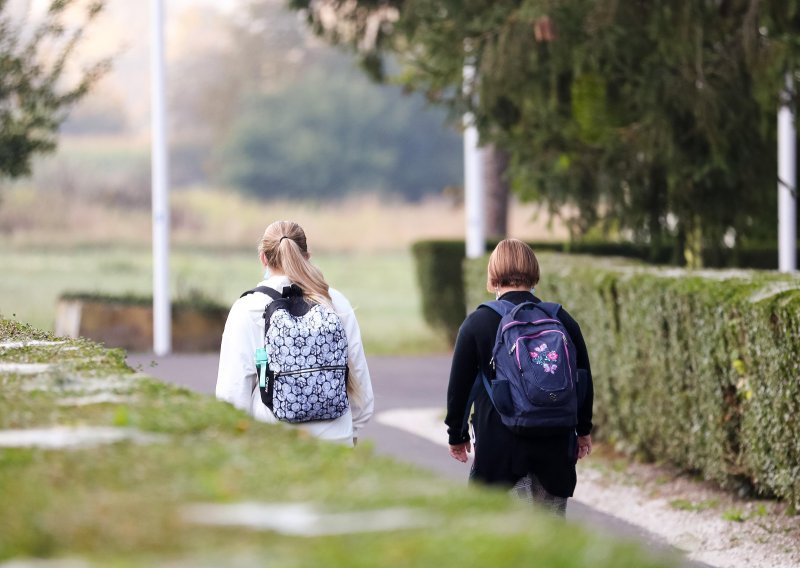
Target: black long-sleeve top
(500, 455)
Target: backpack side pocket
(501, 396)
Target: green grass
(120, 504)
(687, 505)
(381, 286)
(734, 515)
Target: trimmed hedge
(439, 273)
(751, 256)
(659, 255)
(445, 298)
(194, 301)
(701, 369)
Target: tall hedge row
(443, 293)
(698, 369)
(439, 273)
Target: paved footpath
(404, 387)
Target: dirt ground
(713, 526)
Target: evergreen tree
(654, 119)
(33, 96)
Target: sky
(123, 33)
(39, 6)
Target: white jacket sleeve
(363, 404)
(236, 378)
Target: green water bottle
(262, 361)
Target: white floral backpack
(304, 376)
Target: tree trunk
(497, 187)
(657, 205)
(693, 248)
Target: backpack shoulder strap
(550, 308)
(274, 294)
(502, 307)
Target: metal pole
(473, 179)
(787, 183)
(162, 316)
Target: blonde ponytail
(285, 247)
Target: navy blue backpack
(535, 382)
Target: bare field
(216, 218)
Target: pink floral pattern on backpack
(547, 359)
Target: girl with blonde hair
(283, 251)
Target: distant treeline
(264, 110)
(333, 132)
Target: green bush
(439, 266)
(701, 369)
(658, 255)
(194, 300)
(445, 298)
(440, 275)
(763, 256)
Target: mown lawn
(381, 286)
(124, 504)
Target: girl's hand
(459, 451)
(584, 446)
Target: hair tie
(280, 241)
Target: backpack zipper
(311, 370)
(514, 347)
(536, 322)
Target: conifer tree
(35, 93)
(653, 121)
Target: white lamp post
(787, 183)
(162, 316)
(473, 179)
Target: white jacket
(237, 382)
